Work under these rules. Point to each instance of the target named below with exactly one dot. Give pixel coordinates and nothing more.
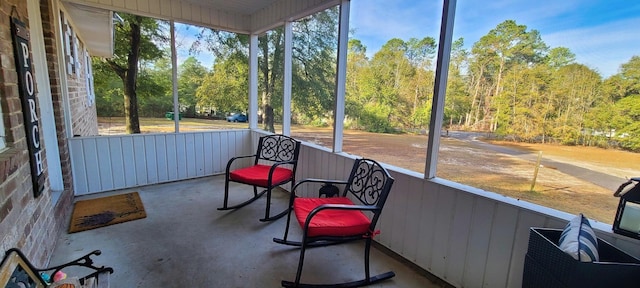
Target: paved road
(604, 180)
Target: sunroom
(465, 236)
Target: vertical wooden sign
(26, 88)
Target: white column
(440, 87)
(61, 73)
(286, 100)
(253, 81)
(174, 76)
(341, 76)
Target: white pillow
(579, 240)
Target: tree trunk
(267, 110)
(130, 80)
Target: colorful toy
(59, 276)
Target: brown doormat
(95, 213)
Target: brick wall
(84, 115)
(25, 222)
(49, 28)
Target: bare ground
(464, 162)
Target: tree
(504, 46)
(134, 42)
(457, 98)
(108, 89)
(190, 78)
(313, 63)
(225, 88)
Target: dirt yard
(464, 162)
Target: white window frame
(91, 96)
(70, 47)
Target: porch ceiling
(241, 16)
(95, 25)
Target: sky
(601, 33)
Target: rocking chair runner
(274, 165)
(335, 220)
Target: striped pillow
(579, 240)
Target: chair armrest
(84, 261)
(315, 180)
(276, 164)
(236, 158)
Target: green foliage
(191, 74)
(375, 118)
(226, 88)
(510, 82)
(108, 89)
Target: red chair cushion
(259, 175)
(331, 222)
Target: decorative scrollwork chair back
(334, 220)
(275, 163)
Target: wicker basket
(547, 266)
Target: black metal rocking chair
(334, 220)
(274, 165)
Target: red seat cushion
(331, 222)
(259, 175)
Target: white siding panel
(323, 170)
(143, 5)
(398, 202)
(457, 250)
(414, 195)
(185, 11)
(181, 156)
(191, 155)
(176, 10)
(502, 237)
(426, 231)
(205, 16)
(207, 154)
(129, 156)
(154, 7)
(78, 168)
(161, 158)
(105, 166)
(92, 164)
(196, 13)
(479, 238)
(141, 160)
(151, 158)
(131, 5)
(199, 153)
(172, 159)
(444, 218)
(117, 163)
(220, 164)
(165, 9)
(224, 148)
(119, 3)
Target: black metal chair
(274, 164)
(334, 220)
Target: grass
(462, 161)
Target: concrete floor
(186, 242)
